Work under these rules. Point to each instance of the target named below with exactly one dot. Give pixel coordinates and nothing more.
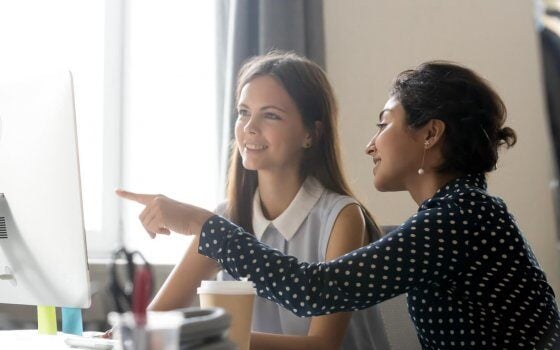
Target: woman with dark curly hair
(471, 279)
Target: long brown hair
(309, 88)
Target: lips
(376, 162)
(254, 147)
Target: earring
(421, 170)
(307, 145)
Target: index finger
(137, 197)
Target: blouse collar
(291, 219)
(459, 184)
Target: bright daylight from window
(169, 133)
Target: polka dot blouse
(472, 281)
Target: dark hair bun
(473, 113)
(506, 136)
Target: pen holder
(161, 331)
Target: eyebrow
(273, 107)
(383, 111)
(263, 108)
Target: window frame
(116, 94)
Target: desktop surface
(32, 340)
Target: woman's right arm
(179, 289)
(422, 250)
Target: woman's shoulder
(471, 208)
(332, 201)
(479, 200)
(322, 198)
(464, 192)
(221, 208)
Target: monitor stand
(46, 315)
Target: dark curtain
(550, 46)
(253, 27)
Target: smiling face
(396, 150)
(269, 130)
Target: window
(68, 35)
(144, 85)
(170, 133)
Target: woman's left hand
(162, 215)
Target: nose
(370, 147)
(251, 126)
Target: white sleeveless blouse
(303, 230)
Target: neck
(277, 190)
(426, 185)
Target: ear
(308, 141)
(313, 135)
(433, 131)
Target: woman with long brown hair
(286, 185)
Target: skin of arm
(179, 289)
(325, 332)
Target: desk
(32, 340)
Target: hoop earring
(307, 145)
(421, 169)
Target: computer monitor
(43, 258)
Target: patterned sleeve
(424, 249)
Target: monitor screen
(43, 258)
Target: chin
(378, 184)
(385, 186)
(380, 188)
(249, 165)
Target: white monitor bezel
(40, 178)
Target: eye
(270, 115)
(381, 126)
(242, 113)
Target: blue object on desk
(72, 321)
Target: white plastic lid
(227, 287)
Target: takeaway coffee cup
(236, 297)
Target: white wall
(369, 42)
